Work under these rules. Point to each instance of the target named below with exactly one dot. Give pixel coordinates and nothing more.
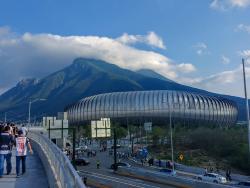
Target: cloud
(225, 60)
(186, 67)
(4, 30)
(240, 3)
(224, 5)
(151, 39)
(246, 55)
(37, 55)
(226, 82)
(201, 48)
(242, 27)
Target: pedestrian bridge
(47, 167)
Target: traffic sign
(181, 157)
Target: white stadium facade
(157, 104)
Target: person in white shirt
(21, 152)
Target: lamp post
(171, 137)
(170, 108)
(247, 107)
(5, 117)
(30, 102)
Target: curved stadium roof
(154, 104)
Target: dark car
(117, 146)
(82, 161)
(120, 164)
(168, 171)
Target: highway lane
(105, 175)
(116, 181)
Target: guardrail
(59, 170)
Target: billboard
(101, 128)
(54, 123)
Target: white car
(212, 177)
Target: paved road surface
(105, 175)
(35, 176)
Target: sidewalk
(34, 177)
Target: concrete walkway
(34, 177)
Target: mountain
(153, 74)
(84, 77)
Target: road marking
(119, 180)
(125, 183)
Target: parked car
(243, 184)
(120, 164)
(168, 171)
(212, 177)
(117, 146)
(82, 161)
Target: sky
(197, 43)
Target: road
(105, 176)
(113, 180)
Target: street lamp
(171, 137)
(247, 107)
(170, 108)
(5, 117)
(30, 102)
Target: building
(158, 104)
(58, 135)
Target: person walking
(205, 172)
(25, 130)
(6, 141)
(21, 152)
(97, 164)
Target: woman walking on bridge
(21, 152)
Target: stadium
(150, 105)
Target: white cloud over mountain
(151, 39)
(36, 55)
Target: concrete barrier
(58, 168)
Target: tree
(157, 134)
(121, 132)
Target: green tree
(157, 134)
(121, 132)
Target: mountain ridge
(85, 77)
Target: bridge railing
(59, 170)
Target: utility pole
(30, 102)
(115, 144)
(29, 113)
(5, 117)
(247, 106)
(171, 138)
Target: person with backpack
(21, 152)
(6, 141)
